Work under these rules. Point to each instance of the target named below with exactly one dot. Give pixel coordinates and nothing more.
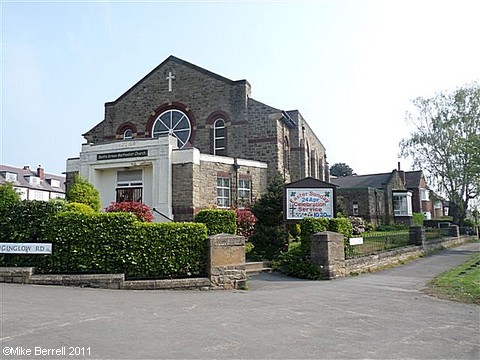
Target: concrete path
(379, 316)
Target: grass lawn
(461, 283)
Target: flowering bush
(141, 211)
(245, 223)
(358, 224)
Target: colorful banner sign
(315, 203)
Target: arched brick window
(173, 119)
(218, 122)
(126, 131)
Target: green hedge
(108, 243)
(311, 226)
(26, 222)
(218, 221)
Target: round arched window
(128, 134)
(173, 122)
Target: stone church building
(183, 139)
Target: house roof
(24, 173)
(361, 181)
(412, 178)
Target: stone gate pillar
(417, 235)
(328, 253)
(226, 262)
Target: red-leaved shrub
(245, 223)
(141, 211)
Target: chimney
(41, 172)
(26, 167)
(402, 174)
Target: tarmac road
(375, 316)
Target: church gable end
(180, 88)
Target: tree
(446, 144)
(269, 239)
(8, 195)
(85, 193)
(341, 169)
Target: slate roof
(22, 174)
(412, 178)
(361, 181)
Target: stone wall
(370, 201)
(195, 185)
(327, 253)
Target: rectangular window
(33, 180)
(129, 186)
(10, 176)
(355, 209)
(402, 204)
(223, 192)
(54, 183)
(424, 195)
(244, 192)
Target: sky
(352, 68)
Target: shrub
(141, 211)
(8, 195)
(311, 226)
(218, 221)
(358, 225)
(418, 218)
(269, 242)
(245, 222)
(78, 207)
(294, 230)
(83, 192)
(297, 263)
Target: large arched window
(173, 122)
(219, 138)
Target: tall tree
(446, 144)
(341, 169)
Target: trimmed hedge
(26, 222)
(218, 221)
(107, 243)
(311, 226)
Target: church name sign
(314, 203)
(122, 155)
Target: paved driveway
(381, 316)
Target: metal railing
(436, 233)
(377, 242)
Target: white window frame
(355, 209)
(170, 128)
(402, 203)
(245, 191)
(11, 176)
(424, 195)
(128, 134)
(224, 199)
(33, 180)
(216, 126)
(130, 183)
